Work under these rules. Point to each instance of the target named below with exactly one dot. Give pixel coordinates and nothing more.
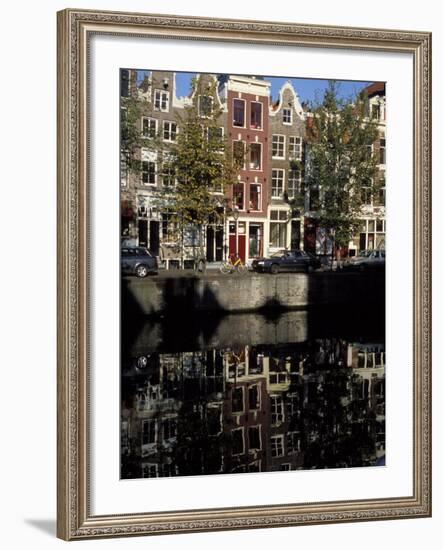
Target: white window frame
(262, 116)
(297, 182)
(153, 465)
(276, 438)
(292, 153)
(282, 171)
(290, 116)
(234, 99)
(150, 421)
(260, 197)
(242, 209)
(261, 157)
(258, 426)
(199, 106)
(160, 108)
(174, 183)
(169, 419)
(149, 119)
(280, 145)
(169, 122)
(244, 150)
(148, 184)
(382, 138)
(259, 396)
(295, 448)
(242, 429)
(243, 400)
(277, 403)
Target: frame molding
(75, 27)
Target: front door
(255, 240)
(154, 238)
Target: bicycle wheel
(225, 268)
(242, 269)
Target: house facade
(267, 208)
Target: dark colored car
(367, 260)
(293, 260)
(138, 261)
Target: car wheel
(310, 268)
(362, 268)
(141, 271)
(274, 269)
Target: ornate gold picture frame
(75, 30)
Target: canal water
(252, 393)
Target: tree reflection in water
(319, 403)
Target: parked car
(367, 260)
(138, 261)
(292, 260)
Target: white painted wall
(27, 292)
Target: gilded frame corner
(74, 519)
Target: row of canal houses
(260, 213)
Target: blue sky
(308, 89)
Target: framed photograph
(243, 274)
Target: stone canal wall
(234, 293)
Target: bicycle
(234, 264)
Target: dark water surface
(252, 393)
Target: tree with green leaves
(202, 164)
(341, 166)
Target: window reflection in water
(314, 404)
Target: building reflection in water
(314, 404)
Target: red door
(241, 246)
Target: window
(239, 195)
(123, 168)
(161, 100)
(295, 147)
(278, 146)
(292, 443)
(169, 131)
(169, 428)
(237, 400)
(168, 175)
(278, 228)
(287, 116)
(149, 432)
(255, 197)
(239, 113)
(366, 193)
(169, 470)
(256, 115)
(375, 111)
(382, 191)
(314, 199)
(255, 156)
(238, 443)
(238, 152)
(254, 397)
(149, 127)
(277, 415)
(254, 437)
(149, 172)
(215, 134)
(205, 105)
(276, 446)
(150, 470)
(277, 182)
(382, 159)
(294, 183)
